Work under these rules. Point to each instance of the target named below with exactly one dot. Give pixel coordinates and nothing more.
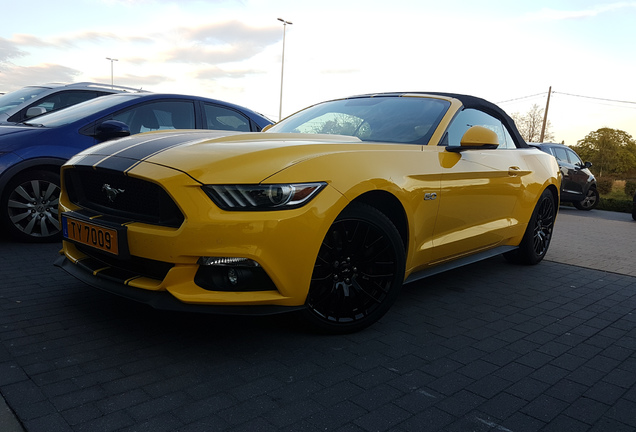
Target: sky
(508, 52)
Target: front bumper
(163, 300)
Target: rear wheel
(589, 202)
(538, 235)
(29, 206)
(358, 272)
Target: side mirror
(111, 129)
(587, 164)
(35, 111)
(476, 138)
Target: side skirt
(458, 263)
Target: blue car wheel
(30, 206)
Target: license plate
(90, 234)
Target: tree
(531, 123)
(611, 151)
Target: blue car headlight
(261, 197)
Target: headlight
(262, 197)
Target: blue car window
(221, 118)
(160, 115)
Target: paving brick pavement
(490, 347)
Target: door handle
(514, 171)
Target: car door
(578, 180)
(479, 190)
(569, 184)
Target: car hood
(7, 132)
(212, 157)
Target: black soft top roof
(471, 102)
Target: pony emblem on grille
(111, 192)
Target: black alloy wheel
(536, 240)
(590, 201)
(30, 207)
(358, 272)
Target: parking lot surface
(489, 347)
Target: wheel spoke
(24, 194)
(361, 289)
(20, 205)
(29, 227)
(15, 218)
(35, 185)
(53, 221)
(50, 192)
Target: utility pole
(282, 68)
(545, 115)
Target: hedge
(617, 205)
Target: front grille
(121, 270)
(115, 194)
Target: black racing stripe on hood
(123, 155)
(117, 163)
(152, 145)
(88, 160)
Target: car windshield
(18, 97)
(391, 119)
(79, 111)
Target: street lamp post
(282, 69)
(111, 70)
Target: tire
(536, 239)
(358, 272)
(30, 207)
(589, 202)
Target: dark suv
(579, 184)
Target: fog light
(232, 276)
(227, 261)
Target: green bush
(630, 187)
(604, 185)
(616, 205)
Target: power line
(523, 97)
(596, 98)
(569, 94)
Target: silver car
(31, 101)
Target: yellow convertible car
(326, 214)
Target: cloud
(8, 50)
(225, 42)
(18, 76)
(73, 40)
(214, 72)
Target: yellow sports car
(327, 213)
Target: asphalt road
(489, 347)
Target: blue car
(32, 152)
